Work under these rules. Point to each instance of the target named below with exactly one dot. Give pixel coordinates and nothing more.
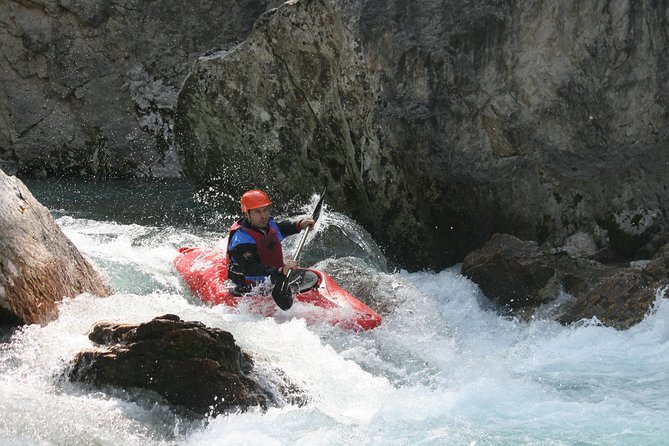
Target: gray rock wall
(88, 87)
(439, 123)
(533, 118)
(435, 123)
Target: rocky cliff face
(527, 117)
(88, 87)
(435, 123)
(442, 122)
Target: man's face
(259, 218)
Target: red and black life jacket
(267, 244)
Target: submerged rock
(39, 265)
(191, 366)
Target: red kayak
(205, 270)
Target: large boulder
(519, 278)
(89, 86)
(39, 265)
(292, 101)
(517, 275)
(193, 367)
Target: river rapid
(442, 369)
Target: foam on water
(442, 369)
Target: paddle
(281, 292)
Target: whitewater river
(442, 369)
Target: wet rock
(193, 367)
(620, 301)
(509, 271)
(39, 265)
(517, 275)
(577, 276)
(625, 297)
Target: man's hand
(290, 264)
(307, 223)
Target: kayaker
(254, 245)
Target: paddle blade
(282, 294)
(319, 206)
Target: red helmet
(254, 199)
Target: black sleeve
(289, 227)
(246, 261)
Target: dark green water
(164, 202)
(175, 203)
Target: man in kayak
(254, 246)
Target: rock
(434, 130)
(442, 129)
(515, 274)
(89, 86)
(293, 100)
(39, 265)
(578, 276)
(618, 296)
(193, 367)
(580, 245)
(631, 230)
(519, 277)
(620, 301)
(658, 267)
